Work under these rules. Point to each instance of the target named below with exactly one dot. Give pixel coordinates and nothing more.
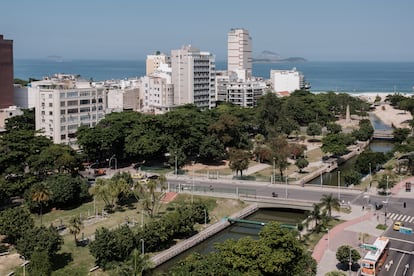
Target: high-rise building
(6, 73)
(239, 51)
(193, 74)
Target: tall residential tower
(193, 77)
(6, 73)
(239, 51)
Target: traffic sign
(406, 230)
(368, 246)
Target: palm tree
(315, 214)
(329, 202)
(75, 225)
(40, 194)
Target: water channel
(239, 230)
(384, 146)
(287, 216)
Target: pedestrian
(377, 217)
(363, 207)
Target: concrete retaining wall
(182, 246)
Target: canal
(239, 230)
(332, 177)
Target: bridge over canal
(383, 134)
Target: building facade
(63, 103)
(6, 73)
(286, 80)
(193, 77)
(153, 62)
(239, 51)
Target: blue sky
(351, 30)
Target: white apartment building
(239, 52)
(123, 94)
(286, 80)
(153, 62)
(63, 103)
(193, 77)
(246, 93)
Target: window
(50, 113)
(73, 111)
(72, 94)
(73, 102)
(100, 100)
(84, 102)
(63, 137)
(62, 111)
(62, 104)
(50, 96)
(50, 104)
(43, 112)
(84, 109)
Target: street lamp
(274, 170)
(176, 170)
(142, 246)
(350, 261)
(116, 161)
(339, 185)
(286, 184)
(205, 217)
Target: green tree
(343, 252)
(281, 152)
(109, 246)
(334, 128)
(352, 177)
(151, 192)
(136, 265)
(301, 163)
(314, 129)
(336, 143)
(47, 239)
(75, 226)
(239, 160)
(26, 121)
(400, 134)
(14, 222)
(329, 202)
(385, 182)
(40, 263)
(211, 149)
(40, 194)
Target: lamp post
(339, 185)
(142, 246)
(274, 170)
(386, 204)
(286, 184)
(176, 169)
(350, 261)
(328, 238)
(116, 161)
(205, 217)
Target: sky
(318, 30)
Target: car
(397, 225)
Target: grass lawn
(313, 238)
(76, 260)
(314, 155)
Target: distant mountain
(271, 57)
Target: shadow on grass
(61, 260)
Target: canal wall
(332, 165)
(213, 229)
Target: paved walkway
(359, 227)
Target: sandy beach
(386, 113)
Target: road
(258, 189)
(401, 253)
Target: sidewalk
(359, 227)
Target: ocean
(349, 77)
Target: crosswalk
(400, 217)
